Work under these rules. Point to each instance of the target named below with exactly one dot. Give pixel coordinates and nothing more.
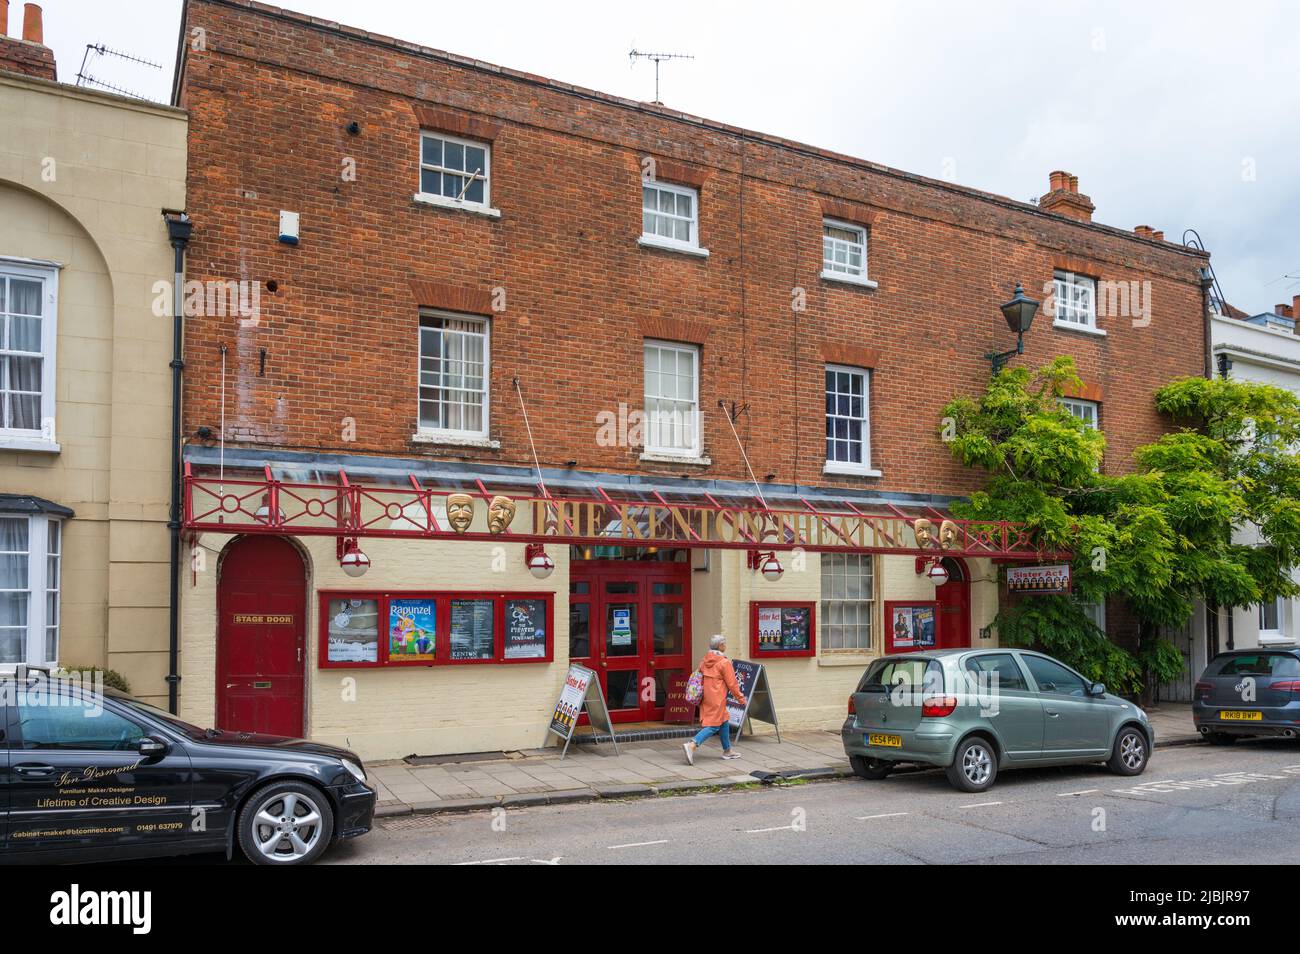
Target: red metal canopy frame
(348, 510)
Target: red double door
(630, 622)
(261, 637)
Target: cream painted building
(86, 402)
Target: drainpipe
(1207, 283)
(179, 228)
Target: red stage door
(954, 606)
(261, 637)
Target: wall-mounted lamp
(767, 564)
(351, 559)
(1224, 363)
(1019, 313)
(540, 564)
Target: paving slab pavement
(645, 767)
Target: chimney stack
(1145, 231)
(28, 55)
(33, 29)
(1063, 197)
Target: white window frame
(42, 438)
(832, 271)
(451, 435)
(484, 207)
(649, 430)
(38, 588)
(1092, 417)
(1074, 302)
(871, 604)
(652, 238)
(853, 467)
(1272, 634)
(1095, 611)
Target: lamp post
(1019, 313)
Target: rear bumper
(930, 743)
(356, 810)
(1281, 721)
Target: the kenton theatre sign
(349, 510)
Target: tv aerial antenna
(94, 51)
(656, 58)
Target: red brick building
(466, 242)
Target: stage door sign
(581, 691)
(758, 697)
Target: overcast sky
(1176, 115)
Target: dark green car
(974, 712)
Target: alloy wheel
(977, 764)
(1132, 751)
(287, 827)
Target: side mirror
(1097, 689)
(151, 747)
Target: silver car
(974, 712)
(1249, 692)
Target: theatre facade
(534, 375)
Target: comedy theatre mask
(460, 511)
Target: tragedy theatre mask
(500, 512)
(947, 534)
(924, 531)
(460, 511)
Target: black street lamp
(1019, 313)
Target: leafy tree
(1160, 535)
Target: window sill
(840, 658)
(849, 470)
(1083, 329)
(860, 281)
(40, 445)
(454, 440)
(442, 202)
(654, 457)
(1275, 639)
(668, 245)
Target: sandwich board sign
(758, 697)
(581, 691)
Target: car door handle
(1052, 712)
(33, 770)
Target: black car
(91, 776)
(1249, 692)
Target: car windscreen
(912, 671)
(1256, 664)
(161, 715)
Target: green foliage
(112, 678)
(1160, 536)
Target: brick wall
(270, 96)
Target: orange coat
(719, 677)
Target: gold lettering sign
(259, 619)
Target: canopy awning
(523, 507)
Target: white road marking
(885, 815)
(1086, 791)
(759, 831)
(490, 861)
(639, 844)
(980, 805)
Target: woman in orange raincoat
(719, 679)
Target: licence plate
(1240, 715)
(890, 741)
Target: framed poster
(782, 628)
(352, 631)
(412, 630)
(1039, 580)
(472, 630)
(527, 628)
(911, 625)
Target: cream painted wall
(83, 179)
(389, 713)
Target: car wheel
(873, 769)
(1130, 754)
(286, 823)
(975, 766)
(1220, 738)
